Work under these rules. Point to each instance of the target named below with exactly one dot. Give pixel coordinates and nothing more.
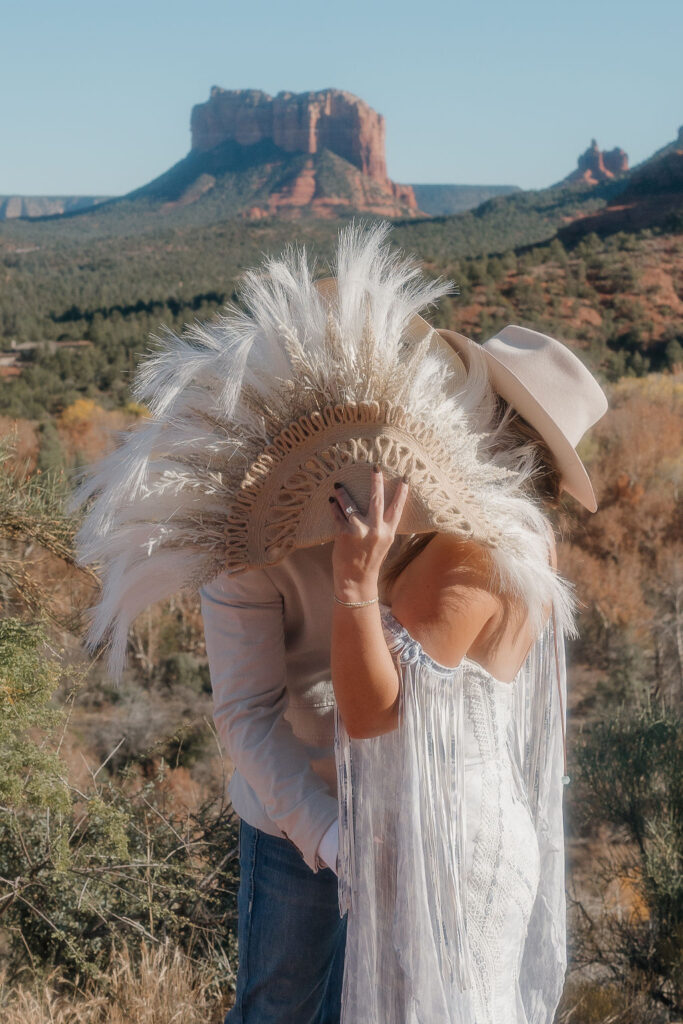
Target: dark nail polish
(337, 485)
(330, 499)
(375, 467)
(404, 478)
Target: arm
(452, 611)
(244, 631)
(363, 672)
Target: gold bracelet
(355, 604)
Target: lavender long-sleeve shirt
(268, 637)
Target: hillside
(443, 200)
(262, 180)
(652, 198)
(12, 207)
(619, 300)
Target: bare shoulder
(443, 598)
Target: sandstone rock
(306, 195)
(296, 122)
(330, 120)
(615, 161)
(597, 165)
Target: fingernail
(337, 485)
(375, 467)
(330, 499)
(404, 478)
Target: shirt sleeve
(244, 633)
(328, 849)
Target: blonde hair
(522, 444)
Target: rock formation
(306, 123)
(652, 197)
(303, 122)
(597, 165)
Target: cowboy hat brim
(575, 479)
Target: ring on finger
(351, 510)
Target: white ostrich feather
(162, 505)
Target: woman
(432, 603)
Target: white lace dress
(451, 846)
(502, 858)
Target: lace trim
(495, 880)
(399, 634)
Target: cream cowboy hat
(542, 379)
(551, 388)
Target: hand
(362, 541)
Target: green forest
(63, 282)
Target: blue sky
(96, 99)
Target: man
(268, 643)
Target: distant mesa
(252, 156)
(248, 121)
(12, 207)
(304, 122)
(597, 165)
(311, 153)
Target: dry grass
(602, 1002)
(162, 987)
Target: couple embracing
(366, 505)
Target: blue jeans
(291, 938)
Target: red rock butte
(597, 165)
(305, 122)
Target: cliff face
(342, 136)
(597, 165)
(296, 122)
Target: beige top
(268, 634)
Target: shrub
(84, 872)
(30, 774)
(630, 777)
